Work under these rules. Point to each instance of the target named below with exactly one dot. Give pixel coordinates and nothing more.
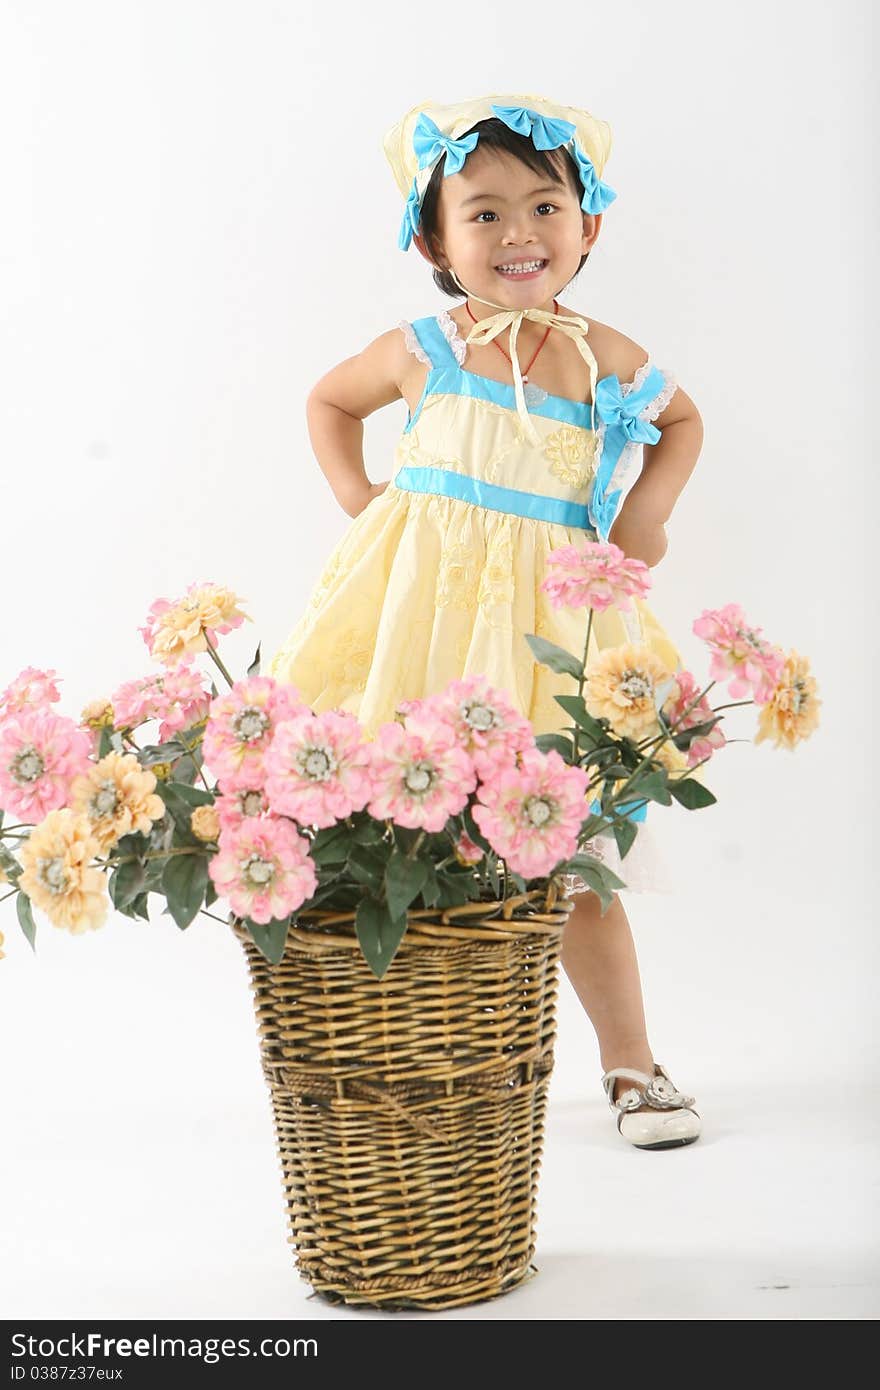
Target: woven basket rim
(543, 911)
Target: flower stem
(142, 858)
(178, 737)
(9, 895)
(581, 678)
(215, 657)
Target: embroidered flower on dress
(496, 577)
(456, 581)
(570, 451)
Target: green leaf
(367, 866)
(683, 738)
(692, 794)
(193, 796)
(254, 668)
(105, 741)
(330, 845)
(26, 918)
(379, 934)
(556, 657)
(574, 705)
(126, 883)
(624, 833)
(431, 886)
(139, 907)
(650, 786)
(558, 743)
(183, 882)
(210, 892)
(159, 753)
(597, 875)
(367, 831)
(180, 811)
(404, 879)
(10, 864)
(269, 937)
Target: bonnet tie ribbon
(572, 325)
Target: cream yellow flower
(162, 771)
(205, 823)
(97, 714)
(117, 796)
(2, 952)
(792, 712)
(58, 875)
(621, 686)
(175, 630)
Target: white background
(198, 221)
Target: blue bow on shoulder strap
(547, 132)
(429, 141)
(622, 412)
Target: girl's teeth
(521, 269)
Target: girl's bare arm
(339, 403)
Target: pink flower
(684, 692)
(318, 768)
(241, 727)
(422, 778)
(594, 575)
(263, 869)
(739, 653)
(532, 814)
(237, 805)
(40, 755)
(176, 697)
(467, 851)
(31, 687)
(483, 721)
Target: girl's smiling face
(496, 212)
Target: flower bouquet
(400, 898)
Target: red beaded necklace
(525, 375)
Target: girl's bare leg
(599, 957)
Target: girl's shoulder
(616, 354)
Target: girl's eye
(492, 214)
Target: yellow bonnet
(427, 133)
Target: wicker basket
(409, 1111)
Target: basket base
(425, 1297)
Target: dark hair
(494, 133)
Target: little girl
(508, 452)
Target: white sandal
(668, 1122)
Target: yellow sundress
(439, 576)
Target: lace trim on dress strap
(656, 406)
(412, 342)
(449, 329)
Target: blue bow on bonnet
(429, 141)
(546, 132)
